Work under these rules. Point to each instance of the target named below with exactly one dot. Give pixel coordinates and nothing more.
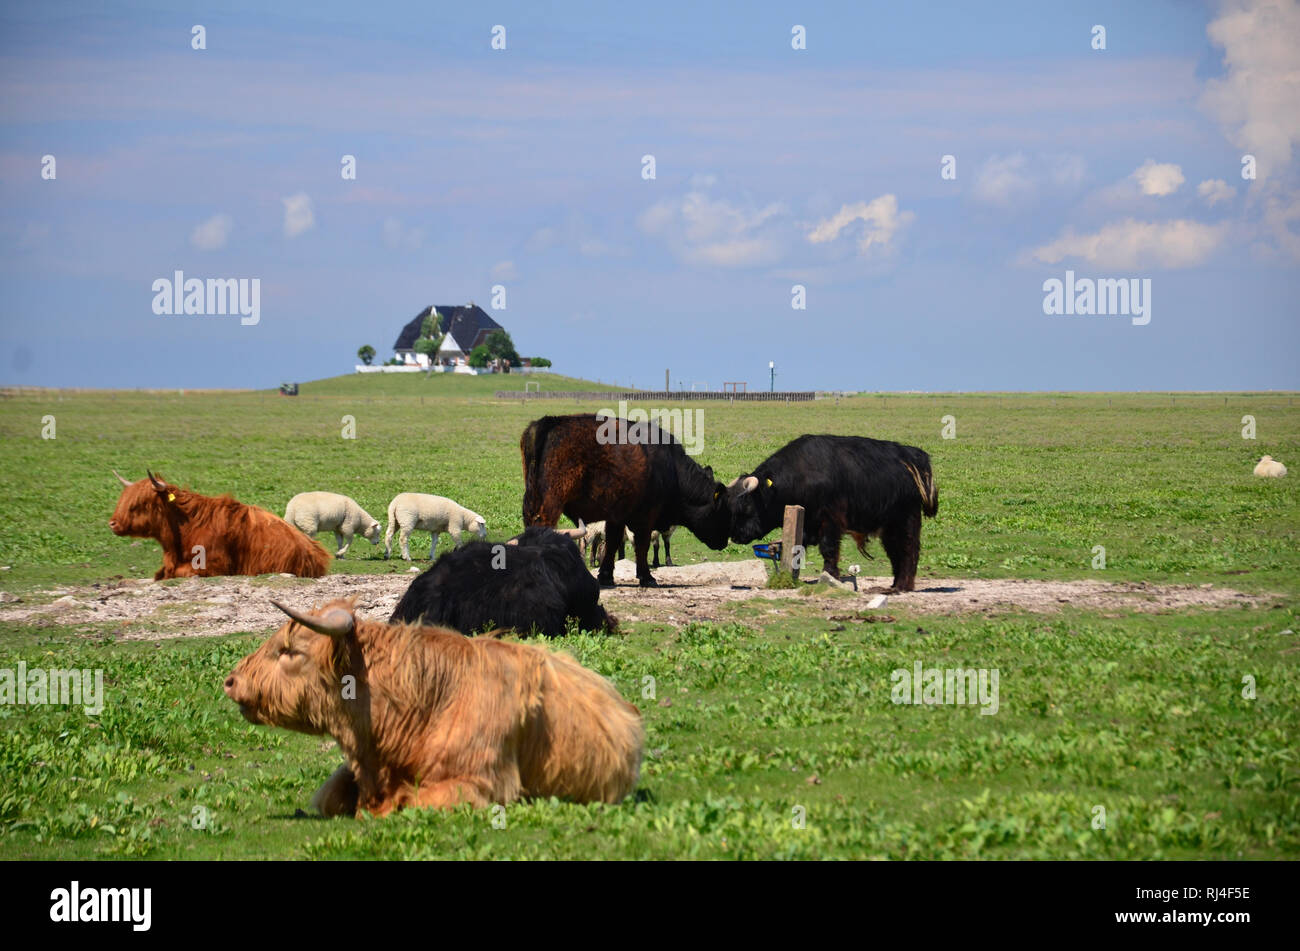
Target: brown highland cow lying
(428, 717)
(206, 535)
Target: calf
(426, 717)
(631, 475)
(534, 582)
(865, 487)
(203, 535)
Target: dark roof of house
(467, 324)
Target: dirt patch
(149, 610)
(696, 592)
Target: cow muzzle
(234, 688)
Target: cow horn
(513, 541)
(154, 480)
(119, 478)
(336, 622)
(750, 483)
(574, 533)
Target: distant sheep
(312, 512)
(593, 545)
(434, 514)
(1270, 468)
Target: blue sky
(523, 167)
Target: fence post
(791, 535)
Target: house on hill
(466, 326)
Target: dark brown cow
(631, 475)
(203, 535)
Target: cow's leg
(668, 552)
(388, 538)
(829, 546)
(405, 538)
(606, 574)
(656, 548)
(338, 795)
(641, 543)
(902, 541)
(342, 541)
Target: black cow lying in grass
(532, 583)
(846, 484)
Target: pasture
(771, 731)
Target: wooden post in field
(791, 535)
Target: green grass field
(770, 733)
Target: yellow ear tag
(769, 483)
(171, 496)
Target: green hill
(443, 385)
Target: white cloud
(1157, 178)
(1215, 190)
(298, 216)
(397, 236)
(882, 218)
(213, 233)
(504, 271)
(1130, 244)
(1013, 179)
(1003, 179)
(709, 231)
(1256, 100)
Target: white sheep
(595, 543)
(1270, 467)
(312, 512)
(429, 513)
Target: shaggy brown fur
(237, 539)
(440, 719)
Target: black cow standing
(534, 582)
(846, 484)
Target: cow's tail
(532, 447)
(926, 486)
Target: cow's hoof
(605, 582)
(648, 582)
(670, 564)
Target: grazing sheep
(1270, 468)
(312, 512)
(594, 543)
(429, 513)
